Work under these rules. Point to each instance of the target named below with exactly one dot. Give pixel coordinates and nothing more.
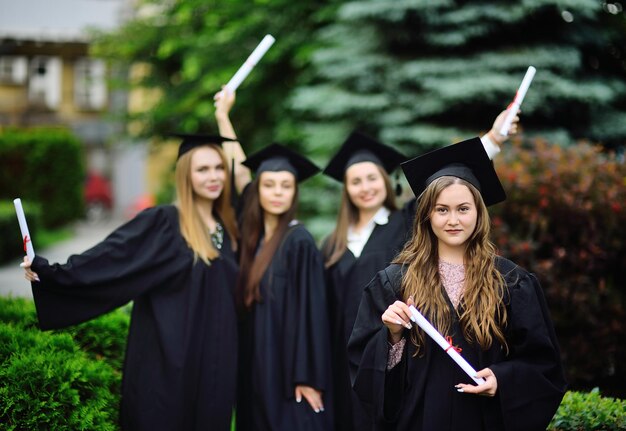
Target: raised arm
(493, 140)
(224, 102)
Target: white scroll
(421, 321)
(249, 64)
(26, 239)
(517, 101)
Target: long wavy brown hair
(482, 312)
(252, 265)
(337, 243)
(192, 228)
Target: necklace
(217, 237)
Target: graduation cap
(276, 157)
(191, 141)
(466, 160)
(359, 148)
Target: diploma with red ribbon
(517, 101)
(21, 218)
(446, 345)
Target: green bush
(46, 382)
(44, 166)
(103, 338)
(564, 219)
(11, 246)
(59, 380)
(589, 412)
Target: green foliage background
(43, 166)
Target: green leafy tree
(427, 73)
(193, 47)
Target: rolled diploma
(438, 338)
(21, 218)
(249, 64)
(517, 102)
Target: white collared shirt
(357, 240)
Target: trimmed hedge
(10, 237)
(45, 166)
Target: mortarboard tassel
(398, 185)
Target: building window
(89, 84)
(13, 70)
(44, 85)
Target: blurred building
(47, 77)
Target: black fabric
(467, 160)
(191, 141)
(179, 371)
(419, 393)
(345, 282)
(284, 342)
(359, 147)
(277, 157)
(361, 156)
(276, 164)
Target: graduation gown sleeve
(531, 378)
(307, 347)
(368, 346)
(137, 257)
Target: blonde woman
(177, 264)
(492, 310)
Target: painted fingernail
(298, 400)
(460, 390)
(398, 322)
(408, 326)
(317, 410)
(321, 409)
(37, 279)
(23, 264)
(413, 319)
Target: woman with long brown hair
(177, 264)
(492, 311)
(369, 232)
(284, 370)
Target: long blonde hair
(482, 309)
(337, 242)
(192, 228)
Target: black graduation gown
(419, 393)
(179, 371)
(284, 342)
(345, 281)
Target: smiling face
(276, 191)
(208, 173)
(454, 217)
(366, 186)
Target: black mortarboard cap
(362, 148)
(276, 157)
(467, 160)
(191, 141)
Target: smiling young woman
(492, 310)
(284, 371)
(180, 274)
